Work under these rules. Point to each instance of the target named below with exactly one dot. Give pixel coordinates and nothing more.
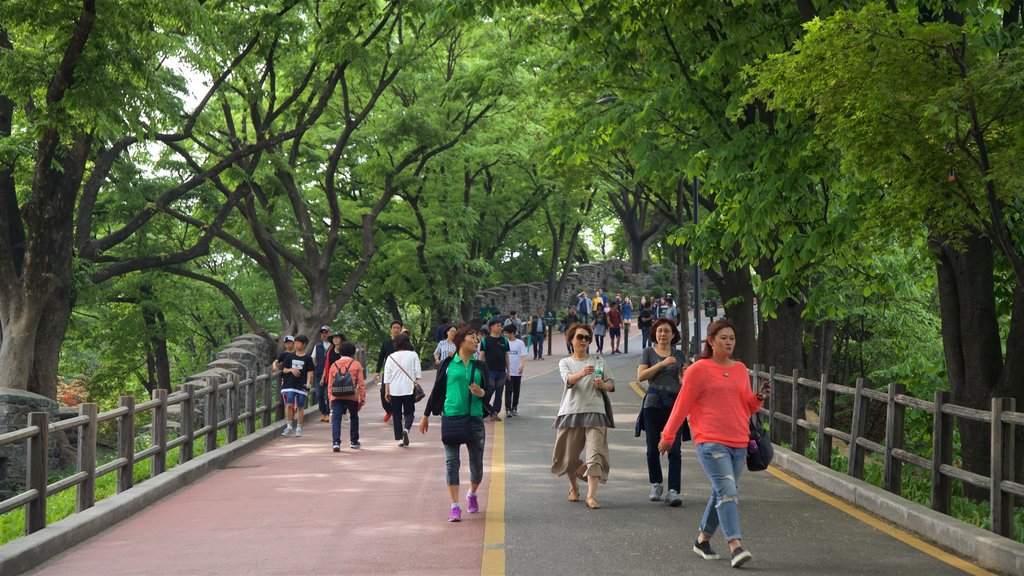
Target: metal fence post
(158, 464)
(268, 398)
(826, 402)
(855, 464)
(894, 439)
(942, 453)
(36, 472)
(212, 402)
(87, 457)
(187, 427)
(1002, 467)
(232, 398)
(126, 444)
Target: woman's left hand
(663, 447)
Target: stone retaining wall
(612, 276)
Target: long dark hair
(713, 330)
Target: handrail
(1003, 419)
(248, 403)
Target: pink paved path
(289, 507)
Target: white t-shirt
(516, 354)
(401, 384)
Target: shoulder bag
(417, 390)
(455, 430)
(759, 450)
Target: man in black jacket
(387, 348)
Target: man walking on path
(298, 376)
(537, 334)
(387, 348)
(615, 327)
(496, 348)
(319, 355)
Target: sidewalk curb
(30, 551)
(966, 540)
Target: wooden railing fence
(260, 404)
(1002, 418)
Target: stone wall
(15, 406)
(613, 276)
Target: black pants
(383, 400)
(402, 410)
(654, 421)
(512, 392)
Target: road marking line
(493, 563)
(866, 518)
(877, 524)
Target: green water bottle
(599, 368)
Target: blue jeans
(722, 465)
(537, 341)
(476, 456)
(498, 379)
(338, 408)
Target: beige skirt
(571, 443)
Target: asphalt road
(296, 508)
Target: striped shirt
(445, 349)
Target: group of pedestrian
(708, 401)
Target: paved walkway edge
(970, 542)
(30, 551)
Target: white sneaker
(298, 431)
(287, 430)
(656, 491)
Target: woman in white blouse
(584, 417)
(401, 372)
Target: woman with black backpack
(344, 374)
(457, 396)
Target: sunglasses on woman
(583, 337)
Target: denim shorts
(294, 397)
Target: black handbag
(418, 393)
(457, 430)
(759, 450)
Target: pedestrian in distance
(537, 328)
(614, 326)
(627, 311)
(600, 325)
(584, 416)
(661, 366)
(495, 350)
(717, 398)
(332, 356)
(571, 317)
(320, 364)
(342, 403)
(446, 348)
(644, 321)
(401, 372)
(387, 348)
(297, 368)
(458, 393)
(517, 364)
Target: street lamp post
(696, 279)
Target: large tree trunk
(737, 291)
(780, 344)
(971, 342)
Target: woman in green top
(459, 388)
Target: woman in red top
(716, 396)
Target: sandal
(592, 503)
(574, 494)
